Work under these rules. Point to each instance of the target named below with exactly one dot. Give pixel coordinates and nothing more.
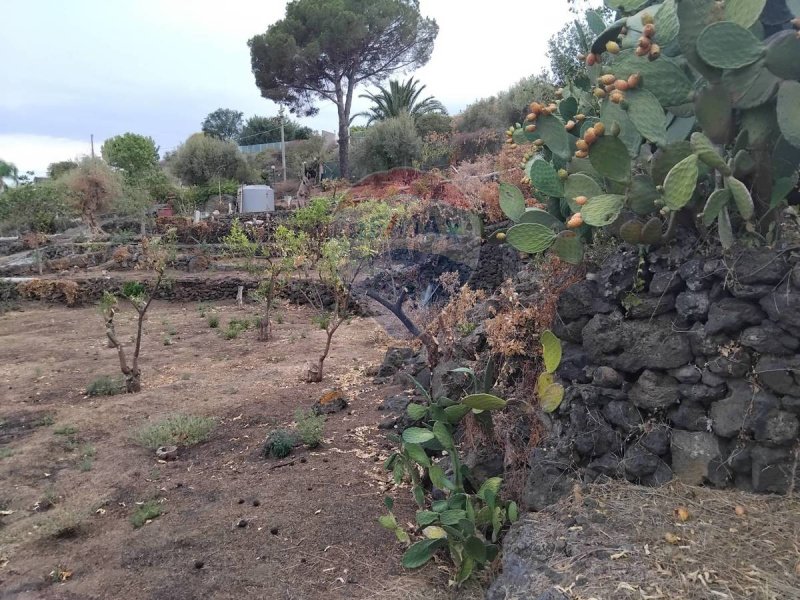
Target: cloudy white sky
(158, 67)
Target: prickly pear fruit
(612, 47)
(599, 92)
(590, 136)
(621, 85)
(580, 117)
(570, 125)
(599, 128)
(655, 52)
(634, 81)
(615, 129)
(530, 128)
(501, 236)
(591, 59)
(575, 221)
(616, 96)
(641, 51)
(608, 79)
(582, 145)
(648, 19)
(649, 30)
(581, 200)
(581, 154)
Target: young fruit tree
(356, 236)
(323, 49)
(271, 260)
(158, 255)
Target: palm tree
(7, 169)
(400, 98)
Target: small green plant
(176, 430)
(85, 465)
(46, 421)
(466, 328)
(167, 340)
(213, 320)
(106, 386)
(59, 575)
(6, 453)
(66, 430)
(145, 512)
(468, 524)
(235, 327)
(279, 318)
(309, 426)
(550, 393)
(279, 444)
(203, 308)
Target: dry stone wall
(695, 375)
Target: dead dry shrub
(450, 321)
(121, 255)
(33, 240)
(50, 290)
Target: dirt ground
(311, 526)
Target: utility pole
(283, 144)
(92, 138)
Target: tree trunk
(133, 381)
(343, 106)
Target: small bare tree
(92, 187)
(157, 256)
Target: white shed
(255, 198)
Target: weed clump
(279, 444)
(213, 320)
(309, 427)
(146, 512)
(176, 430)
(106, 386)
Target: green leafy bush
(279, 444)
(176, 430)
(106, 386)
(309, 426)
(213, 320)
(388, 144)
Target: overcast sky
(158, 67)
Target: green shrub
(235, 327)
(309, 426)
(67, 430)
(146, 512)
(213, 320)
(388, 144)
(176, 430)
(279, 444)
(106, 386)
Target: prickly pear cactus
(692, 106)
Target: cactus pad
(610, 158)
(743, 164)
(611, 33)
(602, 210)
(741, 197)
(680, 183)
(642, 195)
(512, 202)
(783, 55)
(680, 128)
(569, 247)
(551, 130)
(667, 25)
(652, 232)
(542, 217)
(545, 178)
(568, 108)
(694, 16)
(551, 351)
(706, 152)
(781, 188)
(551, 397)
(744, 12)
(645, 111)
(789, 112)
(530, 237)
(751, 86)
(663, 77)
(715, 203)
(775, 13)
(611, 113)
(579, 184)
(727, 45)
(666, 158)
(631, 232)
(714, 112)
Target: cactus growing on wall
(691, 112)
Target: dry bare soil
(311, 529)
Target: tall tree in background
(201, 160)
(267, 130)
(400, 98)
(131, 152)
(574, 39)
(323, 49)
(224, 124)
